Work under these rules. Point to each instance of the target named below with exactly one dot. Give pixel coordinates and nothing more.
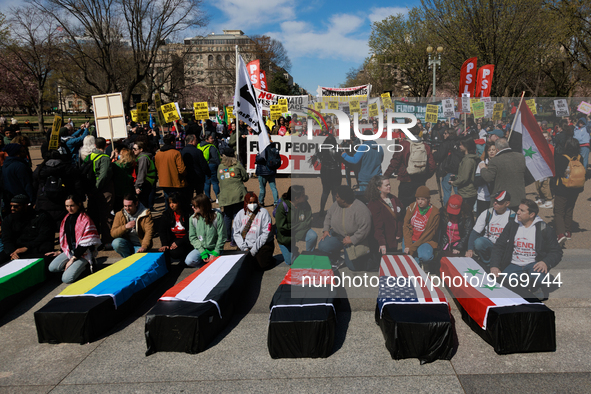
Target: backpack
(417, 159)
(54, 188)
(88, 172)
(224, 148)
(272, 157)
(284, 207)
(451, 163)
(574, 176)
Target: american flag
(398, 291)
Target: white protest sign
(448, 108)
(109, 116)
(561, 107)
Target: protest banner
(363, 90)
(448, 108)
(275, 112)
(532, 106)
(109, 116)
(386, 100)
(294, 103)
(584, 107)
(484, 84)
(468, 77)
(431, 114)
(201, 110)
(254, 73)
(478, 109)
(498, 111)
(417, 109)
(55, 133)
(561, 107)
(170, 113)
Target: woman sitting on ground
(455, 224)
(206, 232)
(174, 230)
(78, 238)
(294, 223)
(387, 213)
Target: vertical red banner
(484, 84)
(254, 71)
(468, 76)
(263, 80)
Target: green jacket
(296, 222)
(210, 237)
(466, 174)
(231, 176)
(102, 168)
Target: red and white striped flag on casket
(416, 289)
(476, 292)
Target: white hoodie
(259, 231)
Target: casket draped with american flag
(302, 320)
(505, 319)
(193, 312)
(413, 314)
(17, 278)
(88, 308)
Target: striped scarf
(86, 235)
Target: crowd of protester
(100, 195)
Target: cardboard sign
(230, 111)
(55, 133)
(283, 105)
(584, 107)
(489, 107)
(318, 106)
(142, 112)
(532, 106)
(448, 108)
(158, 104)
(466, 107)
(373, 109)
(478, 109)
(333, 105)
(561, 107)
(134, 115)
(354, 106)
(386, 100)
(431, 114)
(498, 111)
(109, 116)
(170, 113)
(276, 112)
(201, 110)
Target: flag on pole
(246, 107)
(538, 157)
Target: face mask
(252, 207)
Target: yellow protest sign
(432, 113)
(142, 112)
(532, 106)
(276, 111)
(333, 105)
(373, 109)
(386, 100)
(170, 113)
(201, 110)
(230, 110)
(498, 111)
(354, 106)
(158, 103)
(55, 133)
(134, 115)
(319, 106)
(478, 109)
(325, 99)
(283, 105)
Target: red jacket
(386, 226)
(399, 162)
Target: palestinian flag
(538, 156)
(503, 318)
(193, 312)
(85, 310)
(414, 316)
(302, 321)
(20, 275)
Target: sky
(324, 38)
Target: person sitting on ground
(529, 246)
(252, 232)
(421, 223)
(26, 232)
(207, 233)
(294, 223)
(133, 227)
(174, 230)
(231, 176)
(386, 212)
(455, 225)
(78, 238)
(489, 226)
(347, 225)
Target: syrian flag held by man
(538, 157)
(246, 107)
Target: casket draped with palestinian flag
(193, 312)
(413, 314)
(17, 278)
(302, 320)
(501, 316)
(88, 308)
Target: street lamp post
(59, 92)
(434, 62)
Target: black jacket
(197, 167)
(167, 222)
(63, 170)
(34, 230)
(548, 249)
(465, 225)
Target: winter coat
(429, 235)
(167, 222)
(399, 163)
(466, 173)
(70, 179)
(144, 226)
(258, 234)
(370, 157)
(465, 225)
(231, 176)
(17, 177)
(170, 167)
(507, 170)
(286, 228)
(195, 163)
(387, 224)
(207, 236)
(32, 229)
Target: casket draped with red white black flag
(413, 314)
(505, 319)
(193, 312)
(302, 321)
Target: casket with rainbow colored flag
(194, 311)
(503, 318)
(88, 308)
(17, 277)
(302, 320)
(413, 314)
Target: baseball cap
(499, 133)
(454, 204)
(502, 196)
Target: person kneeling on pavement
(455, 225)
(420, 227)
(252, 231)
(489, 226)
(133, 228)
(207, 232)
(347, 225)
(527, 246)
(174, 229)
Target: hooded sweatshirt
(581, 133)
(257, 235)
(370, 154)
(466, 173)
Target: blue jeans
(230, 212)
(447, 187)
(263, 179)
(333, 245)
(585, 156)
(124, 247)
(536, 277)
(484, 246)
(194, 259)
(311, 239)
(212, 180)
(74, 270)
(424, 253)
